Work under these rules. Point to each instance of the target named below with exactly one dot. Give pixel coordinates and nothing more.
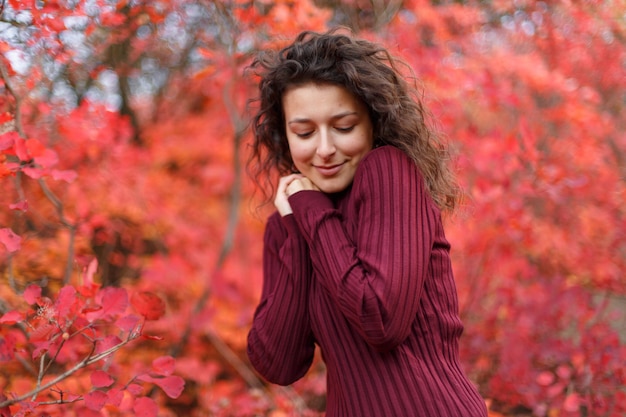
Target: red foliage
(126, 212)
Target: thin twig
(88, 360)
(58, 205)
(42, 361)
(4, 74)
(227, 243)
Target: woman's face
(329, 131)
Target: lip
(328, 170)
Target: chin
(331, 188)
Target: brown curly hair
(373, 75)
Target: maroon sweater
(366, 275)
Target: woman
(355, 258)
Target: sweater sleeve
(377, 278)
(280, 342)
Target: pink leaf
(47, 159)
(95, 400)
(145, 407)
(34, 173)
(134, 389)
(12, 317)
(20, 205)
(114, 301)
(10, 240)
(65, 300)
(8, 139)
(572, 403)
(100, 379)
(115, 396)
(163, 365)
(43, 332)
(127, 323)
(172, 385)
(86, 412)
(65, 175)
(32, 293)
(107, 343)
(91, 270)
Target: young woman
(355, 257)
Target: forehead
(313, 99)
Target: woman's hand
(287, 186)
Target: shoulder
(386, 152)
(386, 162)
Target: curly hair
(372, 75)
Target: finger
(287, 179)
(295, 186)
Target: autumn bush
(131, 236)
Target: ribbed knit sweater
(366, 275)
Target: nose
(326, 146)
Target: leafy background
(131, 235)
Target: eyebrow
(335, 117)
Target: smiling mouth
(329, 170)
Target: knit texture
(366, 275)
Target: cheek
(300, 151)
(360, 144)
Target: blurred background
(124, 139)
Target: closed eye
(345, 129)
(304, 135)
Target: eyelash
(340, 129)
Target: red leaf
(163, 365)
(65, 300)
(107, 343)
(43, 332)
(10, 240)
(12, 317)
(20, 149)
(114, 301)
(127, 323)
(7, 349)
(100, 379)
(32, 293)
(145, 407)
(135, 389)
(115, 396)
(172, 385)
(151, 337)
(35, 148)
(95, 400)
(148, 305)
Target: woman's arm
(280, 342)
(377, 279)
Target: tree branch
(88, 360)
